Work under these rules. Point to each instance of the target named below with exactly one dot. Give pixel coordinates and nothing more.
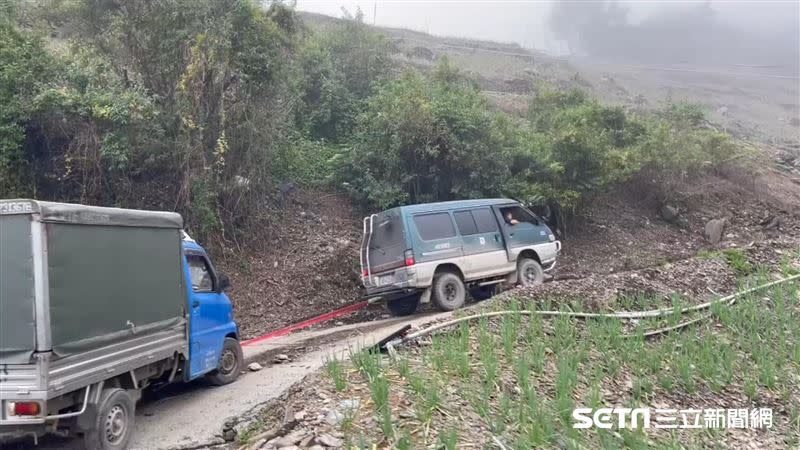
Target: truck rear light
(24, 408)
(365, 272)
(409, 256)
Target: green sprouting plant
(509, 334)
(737, 260)
(448, 439)
(368, 361)
(336, 370)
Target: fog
(669, 32)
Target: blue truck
(96, 305)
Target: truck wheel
(403, 306)
(230, 363)
(448, 291)
(114, 423)
(529, 272)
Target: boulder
(714, 229)
(255, 367)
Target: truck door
(209, 314)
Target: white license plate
(384, 280)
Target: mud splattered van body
(438, 251)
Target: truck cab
(211, 322)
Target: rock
(404, 414)
(350, 404)
(298, 416)
(289, 447)
(229, 422)
(669, 213)
(328, 440)
(290, 439)
(316, 447)
(714, 229)
(280, 358)
(255, 367)
(229, 435)
(722, 110)
(336, 416)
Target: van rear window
(387, 231)
(434, 226)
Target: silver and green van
(438, 251)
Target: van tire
(403, 306)
(231, 361)
(114, 422)
(529, 272)
(449, 291)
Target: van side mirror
(223, 283)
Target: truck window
(465, 222)
(200, 273)
(434, 226)
(485, 220)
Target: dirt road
(192, 416)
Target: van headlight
(551, 237)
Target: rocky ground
(306, 265)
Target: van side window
(519, 214)
(434, 226)
(485, 220)
(465, 222)
(200, 273)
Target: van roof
(91, 215)
(455, 204)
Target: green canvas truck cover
(17, 328)
(112, 273)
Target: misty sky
(527, 22)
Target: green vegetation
(205, 107)
(527, 373)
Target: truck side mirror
(223, 283)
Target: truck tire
(114, 422)
(403, 306)
(529, 272)
(449, 291)
(231, 361)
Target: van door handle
(195, 304)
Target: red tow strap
(307, 323)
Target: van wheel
(448, 291)
(403, 306)
(114, 422)
(230, 363)
(529, 272)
